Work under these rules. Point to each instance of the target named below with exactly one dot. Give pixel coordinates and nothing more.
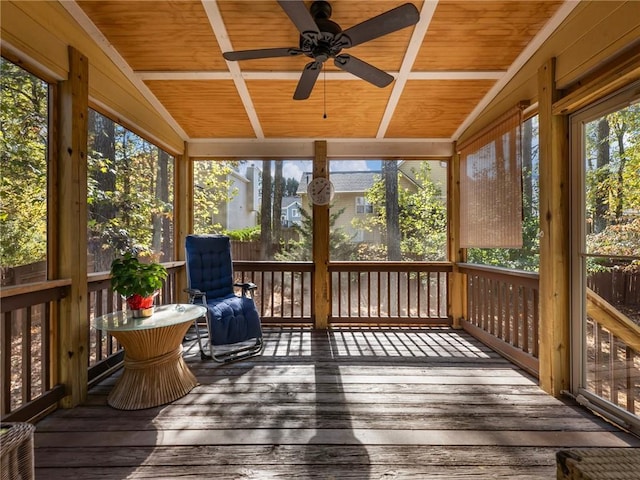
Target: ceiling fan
(321, 39)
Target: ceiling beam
(419, 31)
(301, 148)
(255, 75)
(220, 31)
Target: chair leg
(239, 353)
(203, 355)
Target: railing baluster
(26, 355)
(5, 379)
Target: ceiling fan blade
(261, 53)
(307, 80)
(385, 23)
(363, 70)
(301, 18)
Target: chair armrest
(195, 294)
(246, 287)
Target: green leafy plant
(129, 276)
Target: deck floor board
(347, 403)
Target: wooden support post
(183, 206)
(71, 262)
(321, 279)
(554, 243)
(457, 301)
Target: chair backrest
(209, 265)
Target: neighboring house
(350, 193)
(241, 211)
(290, 215)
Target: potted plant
(137, 282)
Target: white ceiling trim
(85, 22)
(563, 12)
(220, 31)
(203, 75)
(419, 31)
(305, 148)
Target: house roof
(289, 201)
(345, 182)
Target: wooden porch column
(554, 242)
(71, 214)
(183, 204)
(321, 306)
(457, 301)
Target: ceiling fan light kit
(322, 39)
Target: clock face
(320, 191)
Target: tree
(340, 243)
(278, 192)
(291, 187)
(265, 212)
(211, 189)
(23, 156)
(422, 215)
(392, 209)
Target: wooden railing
(389, 292)
(284, 289)
(613, 354)
(28, 319)
(502, 312)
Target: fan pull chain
(324, 73)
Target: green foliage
(248, 234)
(422, 216)
(211, 190)
(129, 276)
(340, 243)
(129, 194)
(23, 157)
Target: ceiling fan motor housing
(323, 47)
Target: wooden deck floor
(346, 403)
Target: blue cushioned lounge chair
(232, 320)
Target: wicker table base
(599, 464)
(16, 451)
(154, 370)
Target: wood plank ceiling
(458, 55)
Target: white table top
(163, 316)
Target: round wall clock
(320, 191)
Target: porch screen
(491, 186)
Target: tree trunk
(390, 172)
(102, 210)
(601, 196)
(527, 169)
(278, 193)
(265, 212)
(620, 183)
(161, 237)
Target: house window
(129, 194)
(362, 206)
(295, 213)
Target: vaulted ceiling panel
(484, 35)
(435, 108)
(204, 108)
(443, 67)
(173, 36)
(354, 109)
